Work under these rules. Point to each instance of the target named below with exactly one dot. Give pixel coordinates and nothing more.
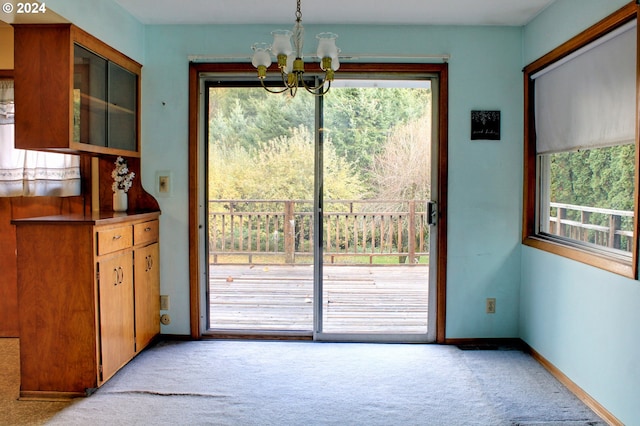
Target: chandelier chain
(299, 12)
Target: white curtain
(31, 173)
(589, 100)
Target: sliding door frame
(197, 223)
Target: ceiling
(395, 12)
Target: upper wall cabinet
(73, 93)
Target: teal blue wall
(484, 180)
(582, 319)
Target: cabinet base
(52, 395)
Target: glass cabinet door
(89, 97)
(104, 102)
(122, 108)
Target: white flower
(122, 178)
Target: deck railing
(353, 229)
(603, 227)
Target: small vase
(120, 201)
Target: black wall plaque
(485, 125)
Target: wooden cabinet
(117, 314)
(88, 290)
(147, 275)
(147, 294)
(73, 93)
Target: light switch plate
(164, 183)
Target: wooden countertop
(96, 218)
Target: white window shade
(589, 101)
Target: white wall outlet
(164, 302)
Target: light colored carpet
(305, 383)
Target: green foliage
(281, 168)
(262, 147)
(357, 121)
(248, 117)
(602, 177)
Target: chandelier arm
(319, 92)
(312, 88)
(322, 93)
(268, 89)
(316, 91)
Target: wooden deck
(357, 299)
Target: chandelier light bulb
(281, 42)
(327, 49)
(261, 58)
(327, 45)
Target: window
(580, 147)
(31, 173)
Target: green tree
(359, 120)
(600, 177)
(249, 116)
(281, 168)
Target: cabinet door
(123, 106)
(105, 102)
(89, 97)
(117, 341)
(147, 294)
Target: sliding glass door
(317, 209)
(376, 239)
(260, 210)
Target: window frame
(531, 181)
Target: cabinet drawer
(110, 240)
(146, 232)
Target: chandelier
(290, 62)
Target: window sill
(611, 263)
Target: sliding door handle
(432, 213)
